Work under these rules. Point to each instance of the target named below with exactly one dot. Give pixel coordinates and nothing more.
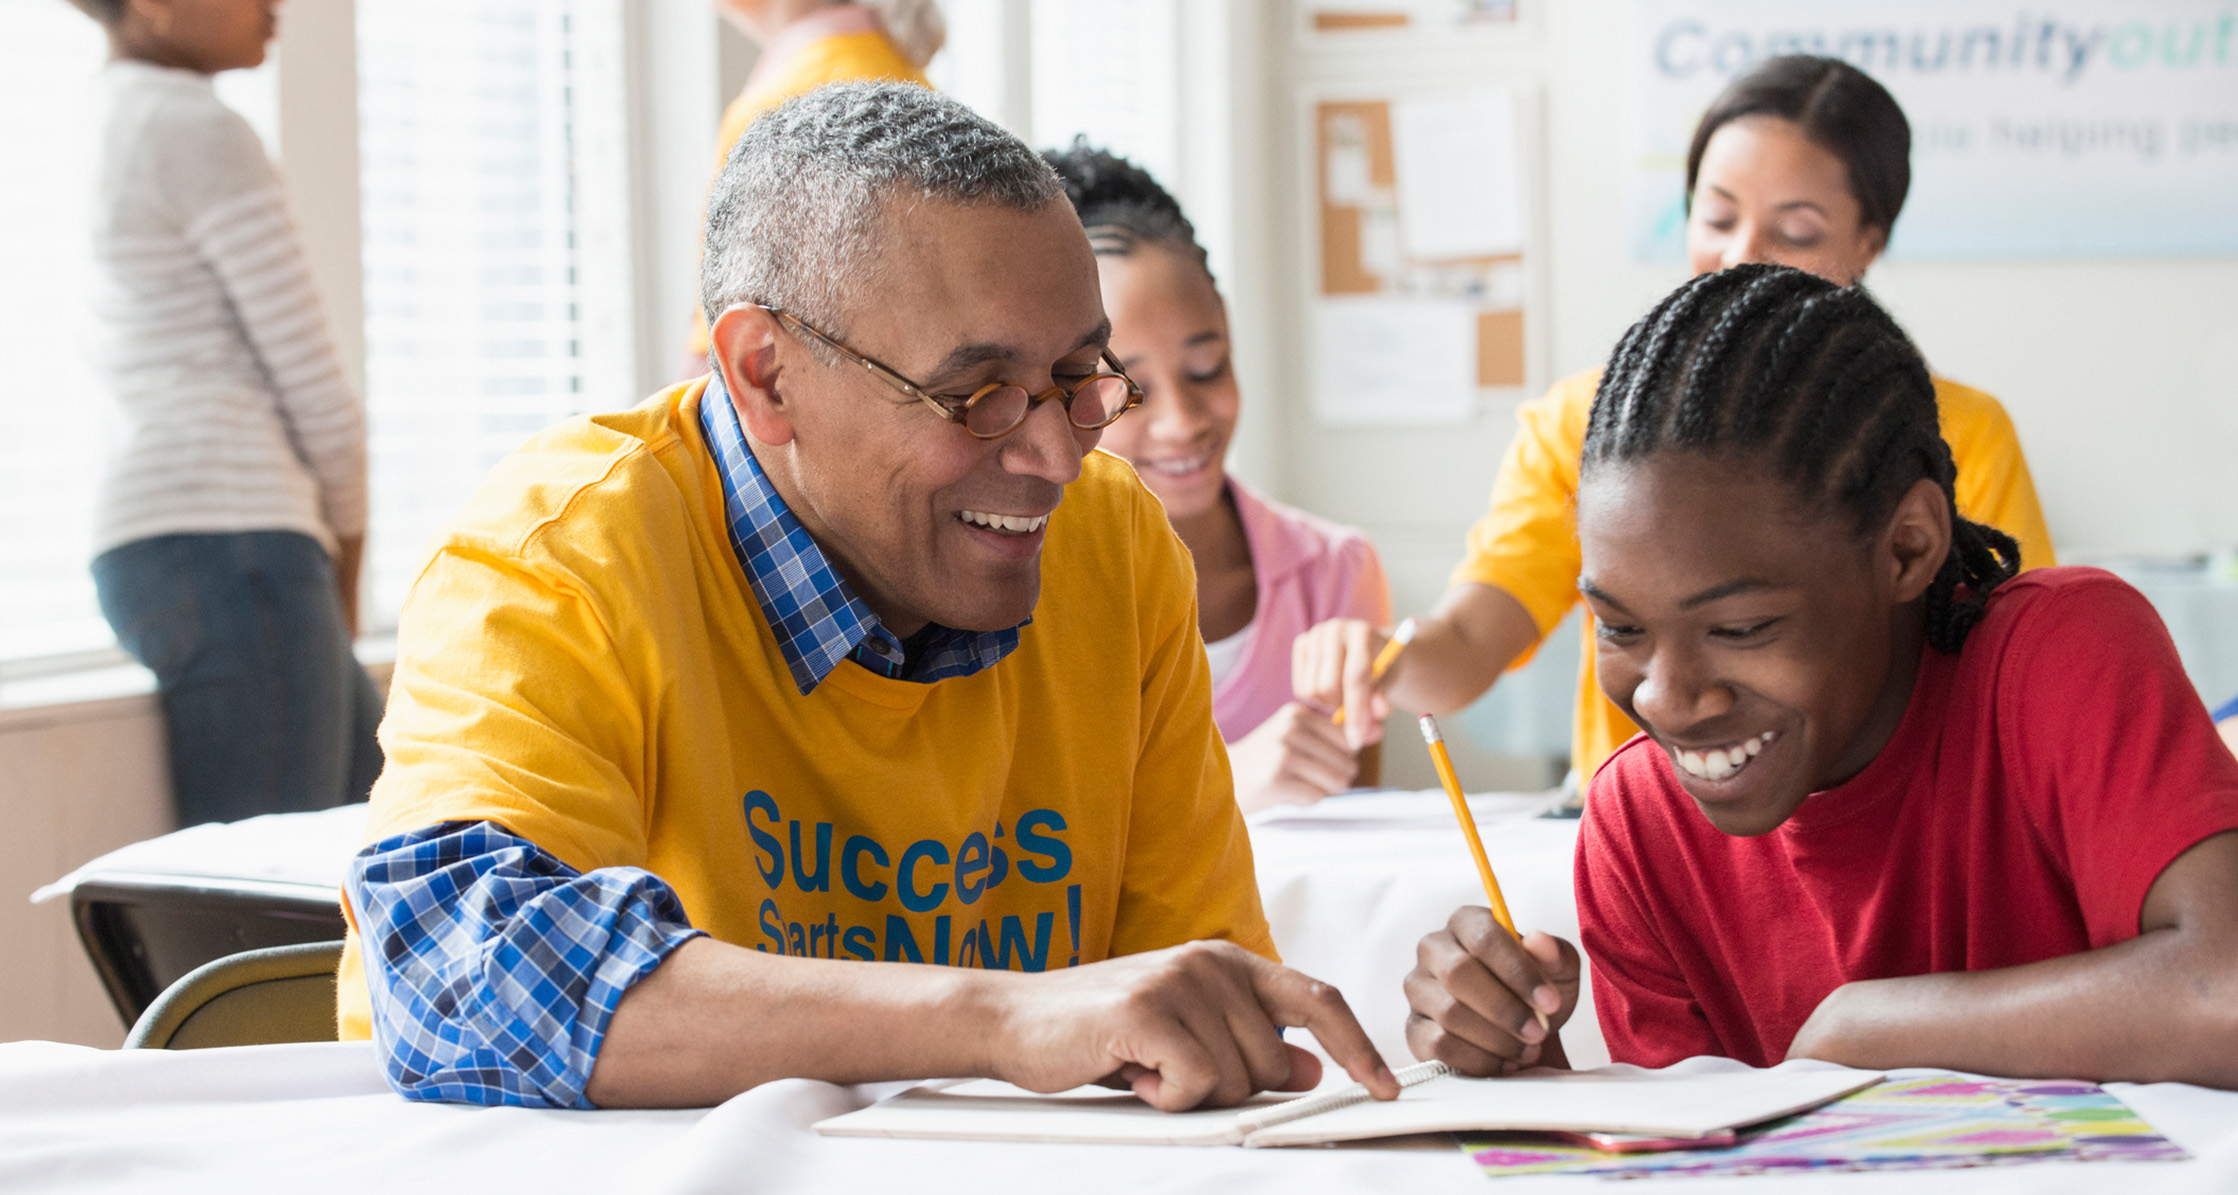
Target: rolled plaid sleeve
(494, 967)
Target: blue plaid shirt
(494, 967)
(816, 615)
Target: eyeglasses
(997, 408)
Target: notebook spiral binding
(1330, 1101)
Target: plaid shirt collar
(817, 617)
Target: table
(1348, 886)
(318, 1118)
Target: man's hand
(1332, 665)
(1297, 756)
(1475, 993)
(1197, 1024)
(1194, 1024)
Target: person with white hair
(721, 723)
(806, 44)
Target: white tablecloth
(317, 1118)
(1349, 886)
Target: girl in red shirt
(1894, 806)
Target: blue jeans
(266, 709)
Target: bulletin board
(1422, 291)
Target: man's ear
(1917, 539)
(745, 340)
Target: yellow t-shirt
(1527, 544)
(584, 664)
(840, 58)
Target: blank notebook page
(1617, 1099)
(988, 1110)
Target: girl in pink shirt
(1265, 571)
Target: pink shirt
(1308, 570)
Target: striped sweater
(234, 411)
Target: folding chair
(257, 997)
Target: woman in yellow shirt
(804, 45)
(808, 43)
(1801, 161)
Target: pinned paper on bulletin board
(1342, 17)
(1419, 304)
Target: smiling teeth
(1007, 524)
(1177, 468)
(1718, 763)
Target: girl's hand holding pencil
(1482, 998)
(1477, 995)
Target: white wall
(77, 781)
(316, 85)
(2122, 376)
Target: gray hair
(797, 213)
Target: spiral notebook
(1611, 1099)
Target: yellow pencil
(1400, 637)
(1492, 896)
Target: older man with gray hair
(839, 715)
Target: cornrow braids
(1817, 381)
(1120, 204)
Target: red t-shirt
(2039, 782)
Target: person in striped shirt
(233, 509)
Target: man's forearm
(2152, 1009)
(1184, 1026)
(716, 1019)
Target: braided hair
(1788, 369)
(1120, 204)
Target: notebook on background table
(1687, 1107)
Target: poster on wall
(1419, 301)
(2067, 128)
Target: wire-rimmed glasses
(997, 408)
